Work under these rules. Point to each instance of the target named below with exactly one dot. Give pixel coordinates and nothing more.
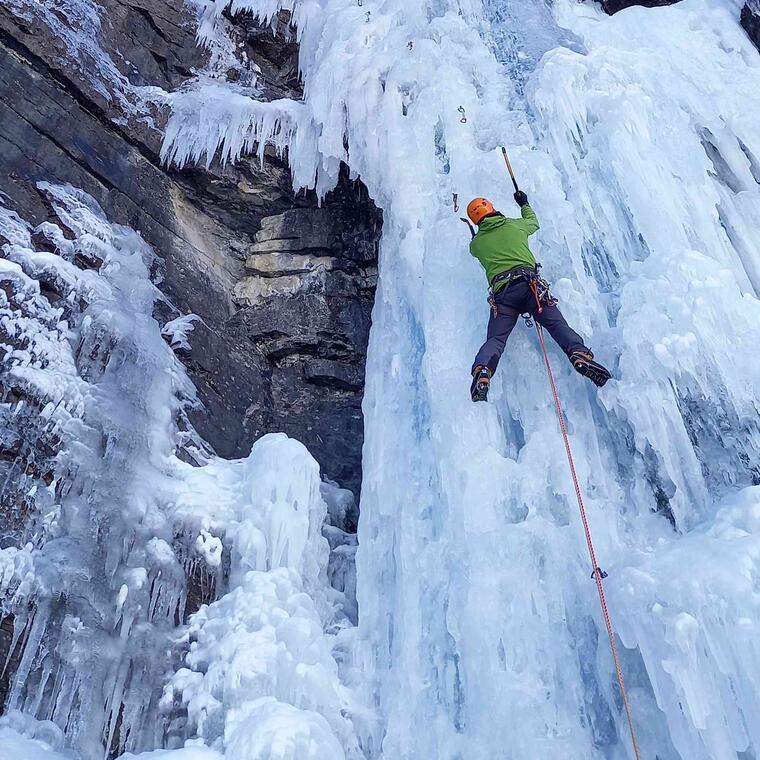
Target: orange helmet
(477, 208)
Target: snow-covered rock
(146, 566)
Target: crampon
(584, 364)
(481, 382)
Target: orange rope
(597, 572)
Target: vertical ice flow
(636, 138)
(126, 525)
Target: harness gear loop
(538, 286)
(598, 574)
(534, 290)
(514, 275)
(541, 291)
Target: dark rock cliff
(613, 6)
(283, 286)
(750, 19)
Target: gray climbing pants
(512, 301)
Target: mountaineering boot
(481, 381)
(584, 364)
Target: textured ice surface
(126, 516)
(259, 679)
(636, 138)
(15, 746)
(640, 165)
(215, 116)
(23, 738)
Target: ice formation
(123, 504)
(479, 633)
(636, 138)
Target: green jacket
(501, 244)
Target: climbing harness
(542, 294)
(541, 291)
(511, 276)
(538, 286)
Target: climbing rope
(597, 573)
(541, 294)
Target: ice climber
(501, 246)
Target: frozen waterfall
(131, 506)
(637, 138)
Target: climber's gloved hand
(521, 199)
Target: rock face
(750, 20)
(305, 306)
(613, 6)
(283, 286)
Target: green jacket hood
(491, 223)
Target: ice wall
(156, 595)
(636, 138)
(635, 171)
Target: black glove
(521, 199)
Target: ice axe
(514, 182)
(509, 168)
